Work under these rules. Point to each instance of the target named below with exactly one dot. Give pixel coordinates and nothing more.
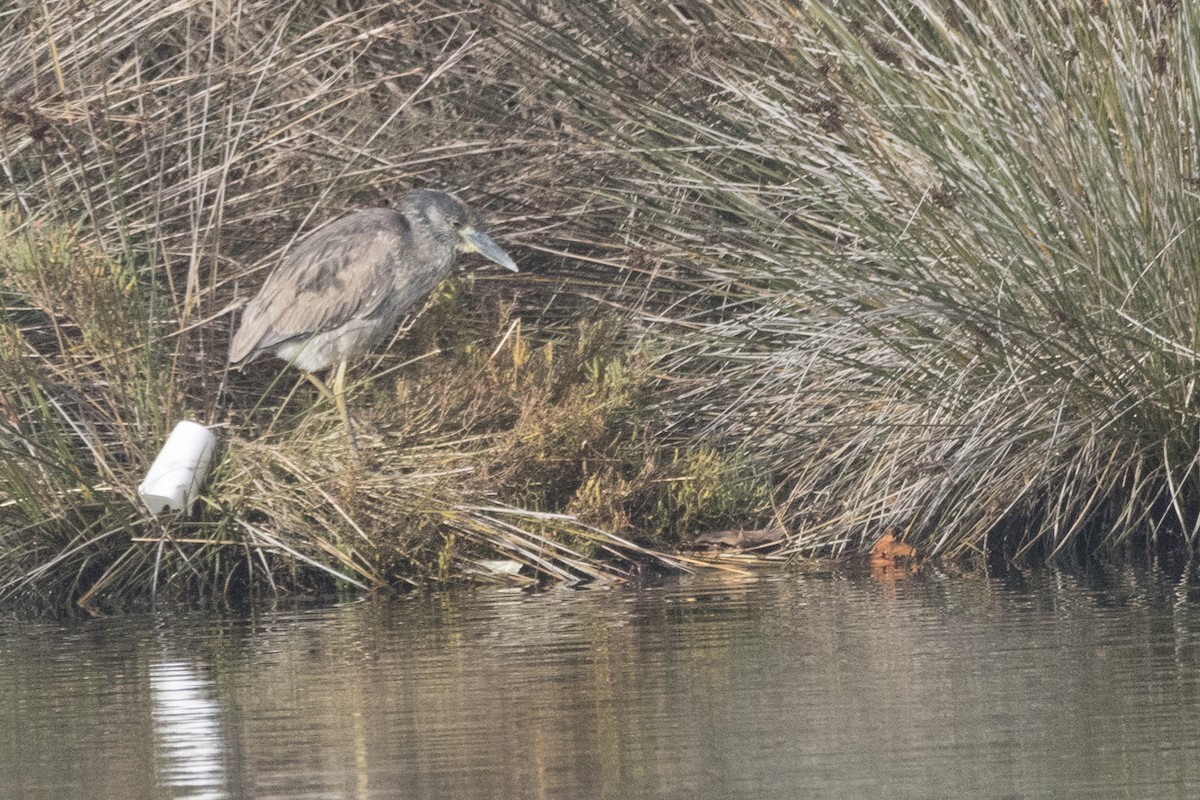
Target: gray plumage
(344, 287)
(342, 290)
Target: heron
(344, 287)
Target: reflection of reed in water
(190, 752)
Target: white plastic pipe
(179, 470)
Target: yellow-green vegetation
(842, 267)
(460, 438)
(473, 448)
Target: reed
(159, 158)
(933, 261)
(926, 267)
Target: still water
(774, 685)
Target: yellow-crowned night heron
(343, 288)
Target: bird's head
(455, 223)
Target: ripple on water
(772, 684)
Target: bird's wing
(338, 273)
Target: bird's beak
(479, 242)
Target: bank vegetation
(828, 269)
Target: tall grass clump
(837, 268)
(158, 158)
(934, 263)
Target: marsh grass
(159, 159)
(934, 262)
(865, 266)
(474, 448)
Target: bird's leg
(320, 384)
(339, 398)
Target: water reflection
(763, 685)
(187, 727)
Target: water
(775, 685)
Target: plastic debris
(179, 470)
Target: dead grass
(927, 268)
(160, 157)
